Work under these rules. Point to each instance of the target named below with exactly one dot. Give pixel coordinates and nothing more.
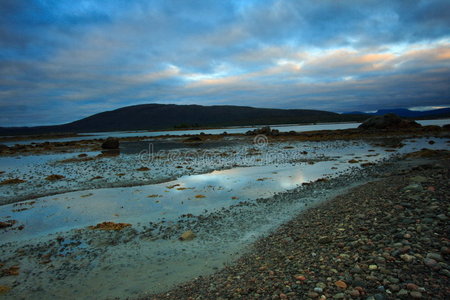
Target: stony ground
(388, 239)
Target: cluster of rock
(111, 144)
(266, 130)
(388, 121)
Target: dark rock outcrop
(266, 130)
(193, 139)
(111, 143)
(388, 121)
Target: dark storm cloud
(62, 60)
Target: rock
(407, 257)
(321, 285)
(445, 250)
(142, 169)
(445, 272)
(300, 277)
(418, 179)
(412, 286)
(373, 267)
(431, 128)
(110, 226)
(187, 236)
(3, 148)
(429, 262)
(275, 132)
(111, 143)
(435, 256)
(339, 296)
(415, 295)
(442, 217)
(193, 139)
(312, 295)
(402, 293)
(341, 284)
(324, 240)
(54, 177)
(413, 188)
(4, 289)
(266, 130)
(388, 121)
(7, 224)
(12, 181)
(394, 288)
(318, 290)
(109, 153)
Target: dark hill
(406, 113)
(161, 116)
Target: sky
(62, 60)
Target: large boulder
(388, 121)
(111, 143)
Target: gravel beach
(387, 239)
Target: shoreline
(386, 239)
(94, 144)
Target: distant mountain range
(404, 112)
(171, 116)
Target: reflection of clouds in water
(292, 182)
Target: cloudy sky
(61, 60)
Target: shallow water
(189, 193)
(193, 194)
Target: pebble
(312, 295)
(415, 295)
(445, 272)
(412, 286)
(318, 290)
(413, 188)
(341, 284)
(379, 297)
(407, 257)
(373, 267)
(435, 256)
(429, 262)
(321, 285)
(394, 288)
(442, 217)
